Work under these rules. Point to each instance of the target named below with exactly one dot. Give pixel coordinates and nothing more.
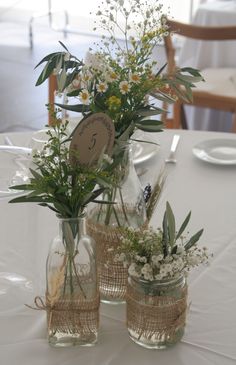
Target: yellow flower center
(125, 87)
(84, 96)
(102, 87)
(113, 75)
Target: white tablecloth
(26, 231)
(203, 54)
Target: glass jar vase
(127, 209)
(156, 311)
(72, 294)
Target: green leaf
(171, 224)
(161, 69)
(192, 71)
(62, 44)
(108, 202)
(163, 97)
(47, 58)
(28, 199)
(188, 78)
(180, 93)
(74, 93)
(103, 182)
(165, 235)
(21, 187)
(183, 226)
(61, 81)
(73, 64)
(62, 208)
(68, 237)
(49, 206)
(143, 141)
(147, 113)
(193, 240)
(35, 174)
(150, 128)
(47, 71)
(90, 197)
(80, 108)
(150, 122)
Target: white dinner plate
(143, 151)
(221, 151)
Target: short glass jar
(156, 311)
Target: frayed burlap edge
(71, 316)
(157, 317)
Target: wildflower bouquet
(120, 75)
(163, 253)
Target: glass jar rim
(72, 219)
(162, 282)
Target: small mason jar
(156, 311)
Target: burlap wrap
(112, 275)
(157, 317)
(71, 316)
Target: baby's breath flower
(151, 257)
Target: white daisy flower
(124, 87)
(111, 76)
(134, 78)
(101, 87)
(84, 96)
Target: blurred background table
(203, 54)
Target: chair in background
(219, 89)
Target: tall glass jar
(72, 294)
(156, 311)
(127, 209)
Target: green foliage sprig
(55, 183)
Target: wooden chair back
(203, 99)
